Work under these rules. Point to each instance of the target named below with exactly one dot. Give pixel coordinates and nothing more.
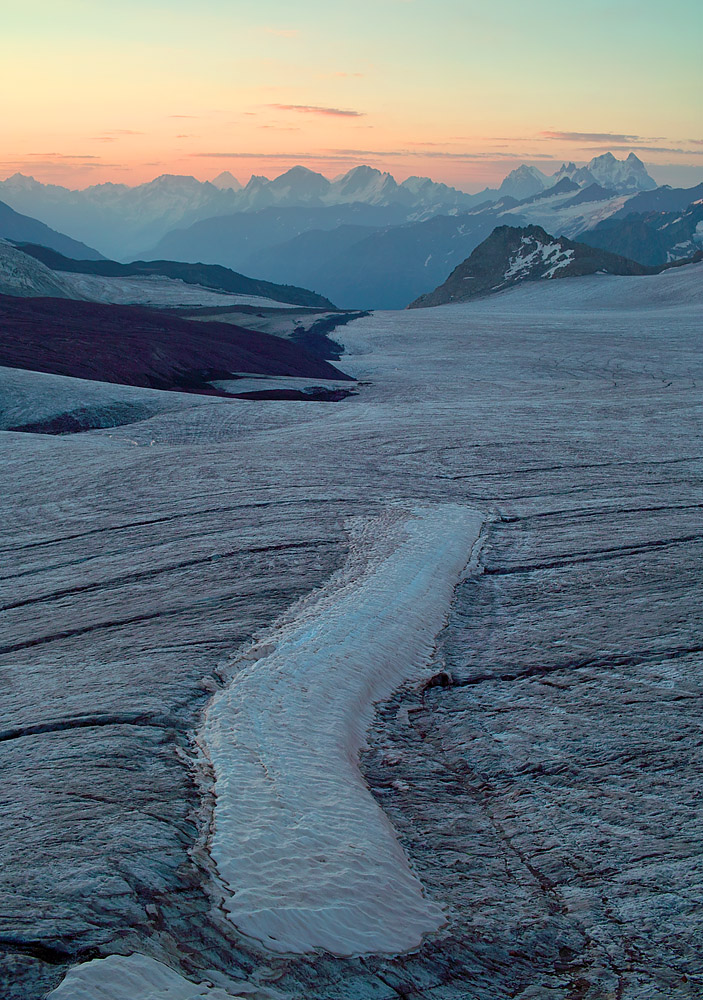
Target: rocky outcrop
(512, 255)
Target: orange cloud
(312, 109)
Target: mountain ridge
(16, 227)
(123, 220)
(213, 276)
(511, 255)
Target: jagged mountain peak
(364, 175)
(300, 170)
(173, 181)
(301, 180)
(523, 182)
(624, 176)
(367, 184)
(22, 180)
(226, 181)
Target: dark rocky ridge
(662, 199)
(136, 346)
(653, 238)
(512, 255)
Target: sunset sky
(458, 90)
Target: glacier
(537, 807)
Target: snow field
(308, 859)
(155, 290)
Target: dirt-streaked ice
(308, 858)
(157, 290)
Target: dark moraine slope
(137, 346)
(661, 199)
(652, 238)
(22, 228)
(208, 275)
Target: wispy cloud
(374, 154)
(113, 134)
(605, 137)
(313, 109)
(56, 162)
(65, 156)
(646, 149)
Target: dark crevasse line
(147, 522)
(153, 719)
(578, 513)
(630, 659)
(596, 555)
(44, 952)
(120, 581)
(562, 467)
(136, 620)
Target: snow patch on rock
(532, 255)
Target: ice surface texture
(137, 977)
(547, 799)
(308, 857)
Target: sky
(458, 90)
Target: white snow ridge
(308, 859)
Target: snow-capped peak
(227, 180)
(365, 184)
(523, 182)
(623, 176)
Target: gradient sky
(458, 90)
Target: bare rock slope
(511, 255)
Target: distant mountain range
(385, 267)
(512, 255)
(363, 240)
(125, 221)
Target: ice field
(497, 543)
